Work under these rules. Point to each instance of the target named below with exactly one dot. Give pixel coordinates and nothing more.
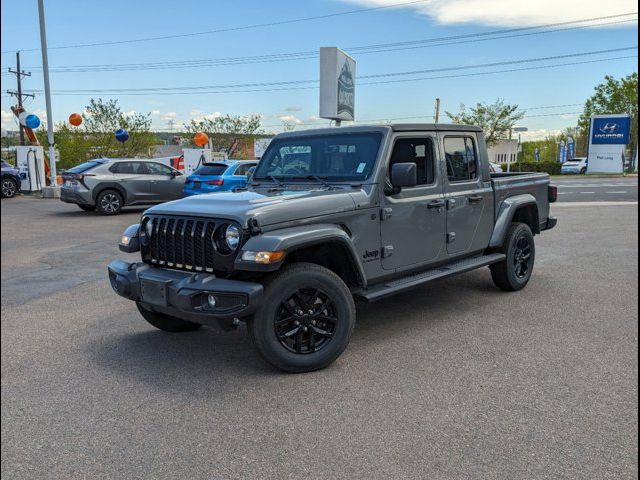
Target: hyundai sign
(337, 84)
(610, 130)
(608, 139)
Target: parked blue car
(218, 177)
(10, 180)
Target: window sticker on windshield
(361, 168)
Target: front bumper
(184, 294)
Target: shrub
(552, 168)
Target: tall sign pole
(47, 93)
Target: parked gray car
(108, 185)
(330, 216)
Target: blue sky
(72, 23)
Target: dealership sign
(608, 139)
(337, 84)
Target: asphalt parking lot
(454, 380)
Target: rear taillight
(553, 194)
(215, 183)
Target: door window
(419, 151)
(158, 169)
(131, 168)
(461, 157)
(244, 168)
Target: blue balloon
(32, 121)
(122, 135)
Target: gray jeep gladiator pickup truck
(331, 216)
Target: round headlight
(232, 237)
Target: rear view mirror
(404, 175)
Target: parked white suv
(575, 166)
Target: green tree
(95, 137)
(496, 119)
(227, 132)
(613, 96)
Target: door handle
(475, 198)
(435, 204)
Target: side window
(244, 168)
(419, 151)
(157, 169)
(461, 156)
(131, 168)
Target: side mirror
(176, 173)
(404, 175)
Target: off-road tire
(334, 305)
(507, 275)
(166, 322)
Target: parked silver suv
(107, 185)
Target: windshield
(212, 169)
(337, 157)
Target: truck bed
(520, 183)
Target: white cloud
(169, 116)
(155, 113)
(130, 113)
(7, 119)
(539, 134)
(290, 119)
(198, 115)
(511, 13)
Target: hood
(266, 206)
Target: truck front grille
(185, 243)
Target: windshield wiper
(322, 180)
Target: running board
(399, 285)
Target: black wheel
(87, 208)
(109, 202)
(9, 187)
(515, 271)
(306, 321)
(583, 171)
(166, 322)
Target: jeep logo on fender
(370, 255)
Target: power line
(289, 83)
(230, 29)
(360, 50)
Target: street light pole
(47, 93)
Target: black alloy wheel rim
(306, 322)
(8, 188)
(522, 257)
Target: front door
(164, 183)
(468, 197)
(413, 221)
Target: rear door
(468, 197)
(165, 183)
(132, 176)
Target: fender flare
(505, 215)
(295, 238)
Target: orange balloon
(201, 139)
(75, 119)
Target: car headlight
(232, 237)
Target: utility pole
(18, 94)
(47, 94)
(437, 114)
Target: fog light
(212, 301)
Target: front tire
(307, 319)
(109, 202)
(9, 187)
(166, 323)
(515, 271)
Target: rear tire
(109, 202)
(515, 271)
(583, 171)
(306, 321)
(9, 187)
(87, 208)
(166, 323)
